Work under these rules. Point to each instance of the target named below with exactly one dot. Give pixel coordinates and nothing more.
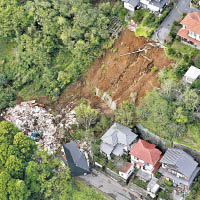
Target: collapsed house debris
(41, 126)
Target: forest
(46, 45)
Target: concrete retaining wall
(164, 144)
(146, 135)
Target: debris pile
(35, 121)
(41, 126)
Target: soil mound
(120, 74)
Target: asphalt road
(108, 186)
(182, 6)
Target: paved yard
(182, 6)
(108, 186)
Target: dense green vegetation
(49, 44)
(170, 112)
(148, 22)
(28, 174)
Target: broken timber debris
(137, 51)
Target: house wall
(194, 35)
(129, 6)
(127, 174)
(147, 5)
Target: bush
(168, 183)
(140, 183)
(196, 84)
(180, 70)
(154, 69)
(157, 175)
(197, 61)
(139, 15)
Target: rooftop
(125, 168)
(180, 161)
(192, 22)
(146, 152)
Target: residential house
(190, 32)
(191, 75)
(76, 159)
(117, 140)
(145, 156)
(179, 167)
(152, 5)
(126, 170)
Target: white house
(145, 156)
(131, 4)
(126, 170)
(191, 75)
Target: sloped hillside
(119, 74)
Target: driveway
(108, 186)
(182, 6)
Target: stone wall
(146, 135)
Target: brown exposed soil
(117, 75)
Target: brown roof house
(190, 32)
(146, 157)
(126, 170)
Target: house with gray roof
(76, 159)
(179, 167)
(117, 140)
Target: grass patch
(190, 145)
(143, 31)
(184, 49)
(86, 191)
(139, 183)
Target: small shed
(192, 74)
(126, 170)
(131, 4)
(153, 187)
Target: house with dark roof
(117, 140)
(179, 167)
(190, 31)
(76, 159)
(145, 156)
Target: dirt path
(117, 75)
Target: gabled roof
(192, 21)
(146, 152)
(193, 73)
(180, 161)
(76, 159)
(118, 133)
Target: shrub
(180, 70)
(157, 175)
(154, 69)
(196, 84)
(197, 61)
(168, 183)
